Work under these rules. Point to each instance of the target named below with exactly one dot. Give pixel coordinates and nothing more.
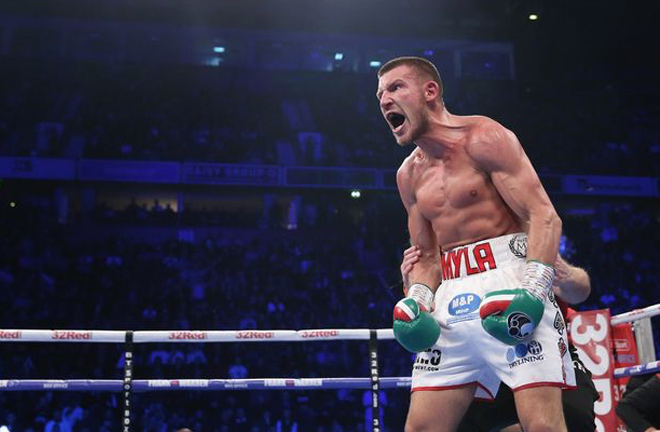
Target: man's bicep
(513, 175)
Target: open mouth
(395, 119)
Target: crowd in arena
(196, 113)
(274, 278)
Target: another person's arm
(636, 406)
(571, 284)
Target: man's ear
(431, 90)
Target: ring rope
(636, 314)
(181, 336)
(243, 384)
(202, 336)
(204, 384)
(642, 369)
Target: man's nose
(385, 101)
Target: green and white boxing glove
(512, 315)
(414, 327)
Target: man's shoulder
(406, 170)
(484, 128)
(487, 135)
(408, 163)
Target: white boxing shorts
(465, 353)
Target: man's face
(401, 98)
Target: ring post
(128, 381)
(373, 360)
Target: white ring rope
(178, 336)
(636, 314)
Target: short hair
(421, 65)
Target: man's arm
(498, 152)
(427, 269)
(413, 326)
(572, 284)
(638, 405)
(510, 315)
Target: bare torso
(455, 195)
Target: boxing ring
(128, 385)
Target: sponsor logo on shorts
(553, 299)
(463, 307)
(559, 324)
(520, 325)
(522, 353)
(427, 361)
(518, 246)
(561, 346)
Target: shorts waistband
(484, 255)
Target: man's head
(408, 88)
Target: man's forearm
(427, 271)
(543, 236)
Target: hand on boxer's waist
(511, 315)
(414, 327)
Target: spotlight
(12, 204)
(374, 63)
(355, 194)
(219, 49)
(533, 17)
(339, 56)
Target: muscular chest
(446, 187)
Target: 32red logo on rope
(4, 334)
(310, 334)
(255, 335)
(187, 335)
(71, 335)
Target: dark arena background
(223, 165)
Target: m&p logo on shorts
(525, 353)
(463, 307)
(518, 246)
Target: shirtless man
(476, 205)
